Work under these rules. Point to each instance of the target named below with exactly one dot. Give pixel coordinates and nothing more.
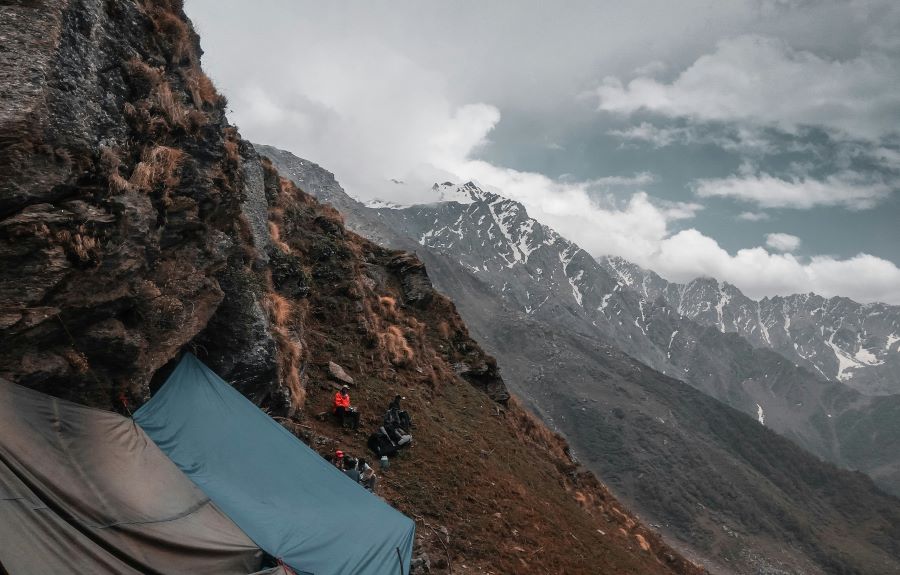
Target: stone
(339, 374)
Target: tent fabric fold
(292, 503)
(86, 491)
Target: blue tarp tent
(291, 502)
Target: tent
(86, 491)
(290, 501)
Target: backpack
(381, 444)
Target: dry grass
(77, 360)
(203, 91)
(275, 237)
(170, 105)
(289, 356)
(232, 154)
(159, 165)
(79, 244)
(278, 308)
(111, 162)
(388, 307)
(531, 430)
(178, 34)
(149, 76)
(443, 329)
(394, 343)
(167, 22)
(280, 311)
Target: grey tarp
(291, 502)
(86, 491)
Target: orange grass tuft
(158, 166)
(394, 343)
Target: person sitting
(398, 436)
(367, 476)
(396, 417)
(396, 424)
(342, 409)
(350, 469)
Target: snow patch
(867, 357)
(760, 414)
(845, 362)
(671, 339)
(575, 291)
(724, 298)
(891, 340)
(448, 192)
(604, 302)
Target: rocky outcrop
(120, 197)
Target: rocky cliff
(135, 224)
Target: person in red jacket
(343, 410)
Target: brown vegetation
(159, 166)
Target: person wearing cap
(343, 410)
(339, 459)
(350, 469)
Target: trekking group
(390, 437)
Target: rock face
(120, 198)
(135, 224)
(688, 462)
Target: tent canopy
(86, 491)
(290, 501)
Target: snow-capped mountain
(537, 273)
(838, 338)
(546, 276)
(558, 322)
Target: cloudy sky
(754, 141)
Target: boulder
(338, 374)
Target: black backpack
(380, 444)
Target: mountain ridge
(820, 416)
(608, 405)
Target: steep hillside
(135, 223)
(711, 477)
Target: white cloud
(735, 138)
(782, 242)
(888, 157)
(374, 95)
(753, 216)
(848, 189)
(758, 273)
(637, 180)
(761, 79)
(653, 68)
